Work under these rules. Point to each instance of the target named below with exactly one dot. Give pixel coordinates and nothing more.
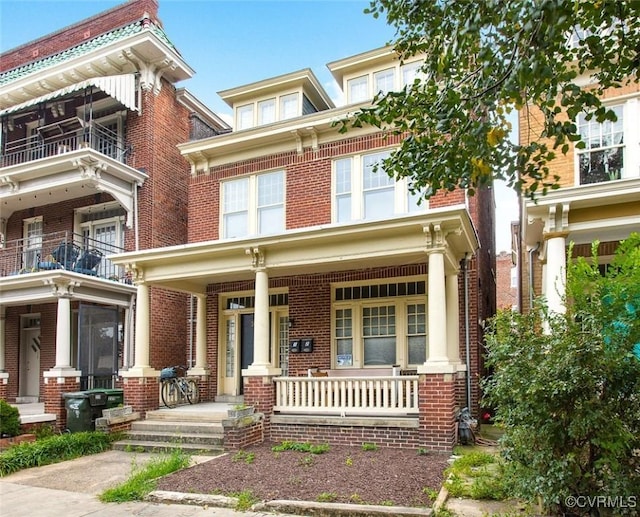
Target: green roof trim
(84, 48)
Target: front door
(246, 344)
(30, 365)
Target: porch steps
(164, 430)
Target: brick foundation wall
(54, 402)
(347, 435)
(437, 401)
(239, 437)
(142, 393)
(260, 392)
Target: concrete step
(178, 439)
(177, 427)
(153, 446)
(178, 415)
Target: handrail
(347, 395)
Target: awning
(120, 87)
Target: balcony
(62, 137)
(61, 251)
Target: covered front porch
(292, 286)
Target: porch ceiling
(48, 286)
(66, 176)
(401, 240)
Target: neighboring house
(89, 167)
(506, 281)
(300, 257)
(599, 198)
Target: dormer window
(289, 106)
(409, 72)
(383, 81)
(244, 116)
(266, 111)
(359, 89)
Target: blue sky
(232, 43)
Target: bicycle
(175, 389)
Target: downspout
(467, 337)
(191, 331)
(530, 265)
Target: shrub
(52, 450)
(9, 419)
(567, 386)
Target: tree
(482, 61)
(566, 387)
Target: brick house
(506, 281)
(324, 293)
(598, 198)
(89, 166)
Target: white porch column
(261, 362)
(453, 319)
(141, 366)
(63, 334)
(438, 360)
(555, 277)
(200, 368)
(63, 366)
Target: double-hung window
(409, 72)
(384, 81)
(364, 191)
(602, 159)
(289, 106)
(32, 242)
(266, 111)
(253, 205)
(358, 89)
(244, 116)
(380, 324)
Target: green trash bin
(83, 407)
(115, 397)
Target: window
(410, 72)
(245, 116)
(253, 205)
(266, 111)
(380, 324)
(32, 242)
(289, 106)
(362, 192)
(383, 81)
(602, 159)
(358, 89)
(103, 230)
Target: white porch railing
(347, 395)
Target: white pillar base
(139, 371)
(256, 370)
(196, 371)
(437, 367)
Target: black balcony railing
(64, 139)
(64, 251)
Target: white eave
(144, 52)
(318, 249)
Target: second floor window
(253, 205)
(602, 159)
(362, 192)
(245, 116)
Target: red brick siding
(241, 437)
(78, 33)
(142, 393)
(507, 296)
(437, 401)
(54, 402)
(355, 436)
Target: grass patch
(300, 447)
(53, 449)
(369, 447)
(247, 457)
(143, 480)
(327, 497)
(245, 500)
(478, 475)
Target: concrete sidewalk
(71, 488)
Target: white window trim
(252, 204)
(356, 306)
(398, 82)
(400, 195)
(631, 143)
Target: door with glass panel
(32, 244)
